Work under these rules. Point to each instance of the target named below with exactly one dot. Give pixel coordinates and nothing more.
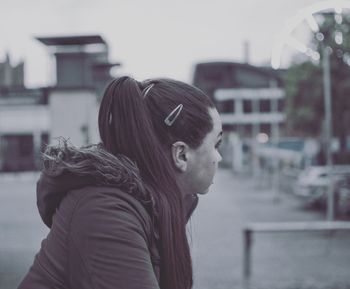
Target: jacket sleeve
(108, 247)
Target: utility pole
(328, 128)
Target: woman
(118, 211)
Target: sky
(151, 38)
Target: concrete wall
(23, 119)
(73, 116)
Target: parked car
(312, 184)
(343, 196)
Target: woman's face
(203, 161)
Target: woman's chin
(203, 192)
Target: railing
(279, 227)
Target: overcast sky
(150, 38)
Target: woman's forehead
(217, 125)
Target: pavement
(280, 260)
(21, 229)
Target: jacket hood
(67, 168)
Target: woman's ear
(179, 151)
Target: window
(227, 106)
(44, 141)
(247, 106)
(17, 152)
(265, 105)
(280, 105)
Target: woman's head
(171, 130)
(193, 135)
(192, 123)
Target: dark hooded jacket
(103, 225)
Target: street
(280, 260)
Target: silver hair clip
(110, 119)
(170, 119)
(147, 89)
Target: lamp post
(328, 127)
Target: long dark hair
(132, 123)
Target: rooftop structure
(72, 40)
(81, 61)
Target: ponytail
(126, 128)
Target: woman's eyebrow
(220, 134)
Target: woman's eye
(218, 144)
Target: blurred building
(24, 127)
(81, 61)
(250, 111)
(32, 118)
(251, 103)
(250, 100)
(243, 94)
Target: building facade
(30, 119)
(250, 101)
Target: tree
(304, 82)
(304, 106)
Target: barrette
(147, 89)
(170, 119)
(110, 119)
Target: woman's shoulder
(99, 202)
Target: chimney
(246, 51)
(8, 70)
